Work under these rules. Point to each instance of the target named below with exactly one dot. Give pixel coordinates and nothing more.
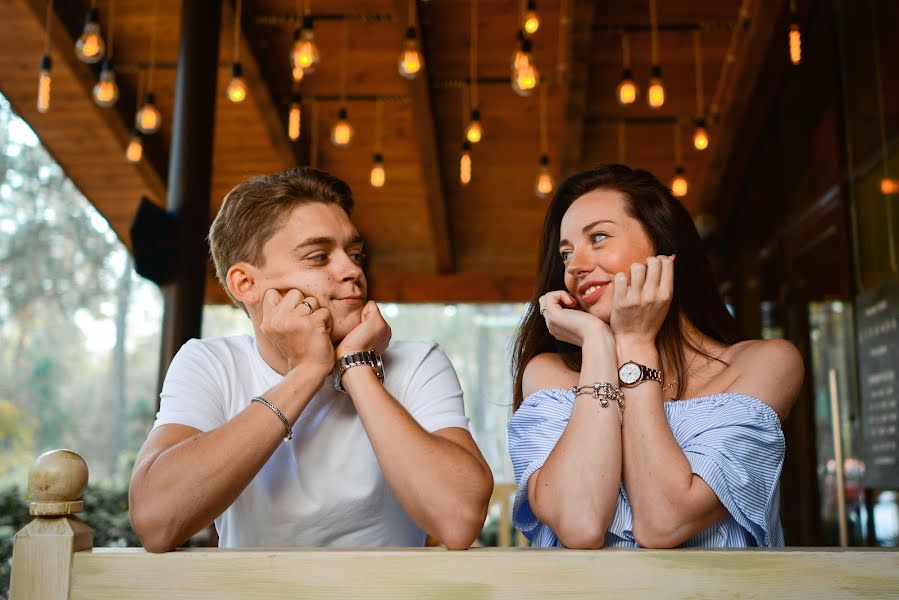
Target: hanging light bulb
(795, 39)
(525, 77)
(378, 176)
(43, 85)
(531, 20)
(679, 184)
(627, 89)
(147, 120)
(135, 149)
(106, 91)
(700, 135)
(297, 74)
(889, 186)
(90, 47)
(342, 132)
(410, 59)
(544, 184)
(519, 58)
(475, 132)
(304, 53)
(237, 87)
(293, 121)
(465, 164)
(656, 93)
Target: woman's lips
(593, 293)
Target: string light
(106, 91)
(544, 184)
(342, 132)
(700, 134)
(135, 149)
(679, 185)
(627, 90)
(304, 52)
(526, 77)
(148, 119)
(378, 176)
(795, 35)
(89, 47)
(410, 58)
(293, 120)
(474, 131)
(44, 79)
(531, 21)
(655, 95)
(237, 87)
(465, 164)
(888, 185)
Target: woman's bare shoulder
(770, 370)
(547, 370)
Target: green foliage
(106, 511)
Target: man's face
(319, 252)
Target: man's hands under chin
(299, 329)
(372, 333)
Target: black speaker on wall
(154, 236)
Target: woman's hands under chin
(568, 323)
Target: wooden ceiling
(430, 238)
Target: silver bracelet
(275, 410)
(604, 392)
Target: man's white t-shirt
(325, 486)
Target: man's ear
(241, 280)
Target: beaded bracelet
(604, 392)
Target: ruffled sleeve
(736, 445)
(534, 430)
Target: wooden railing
(53, 560)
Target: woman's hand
(640, 307)
(568, 323)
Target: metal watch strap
(371, 358)
(647, 374)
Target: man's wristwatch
(632, 374)
(371, 358)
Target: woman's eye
(597, 237)
(318, 257)
(358, 257)
(565, 255)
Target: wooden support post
(190, 173)
(43, 549)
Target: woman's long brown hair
(671, 229)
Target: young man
(321, 431)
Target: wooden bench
(53, 559)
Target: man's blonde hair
(255, 209)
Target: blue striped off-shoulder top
(733, 441)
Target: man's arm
(184, 478)
(439, 478)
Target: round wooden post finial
(55, 483)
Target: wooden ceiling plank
(578, 31)
(429, 159)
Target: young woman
(642, 417)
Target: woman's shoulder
(770, 370)
(547, 370)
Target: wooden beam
(429, 159)
(577, 31)
(87, 141)
(732, 128)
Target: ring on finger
(306, 302)
(542, 310)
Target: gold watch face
(629, 373)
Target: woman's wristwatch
(372, 358)
(632, 374)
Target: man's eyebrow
(316, 241)
(585, 230)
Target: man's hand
(373, 333)
(299, 329)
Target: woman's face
(598, 238)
